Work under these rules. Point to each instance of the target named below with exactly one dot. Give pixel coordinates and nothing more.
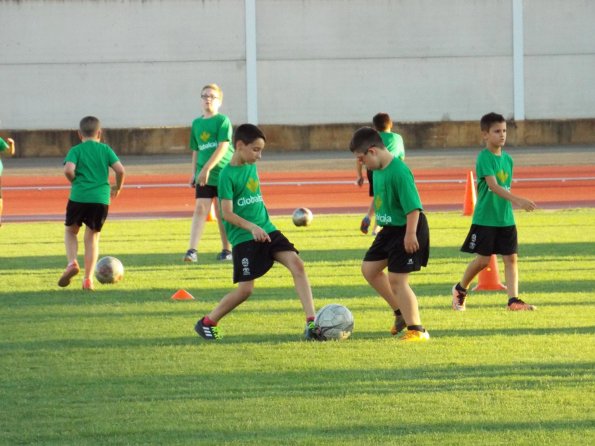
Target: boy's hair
(215, 87)
(364, 138)
(490, 119)
(382, 122)
(247, 133)
(89, 126)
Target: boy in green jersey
(257, 243)
(86, 166)
(210, 142)
(403, 244)
(493, 229)
(7, 146)
(395, 145)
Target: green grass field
(124, 366)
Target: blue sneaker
(311, 332)
(208, 332)
(224, 255)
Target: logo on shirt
(377, 202)
(502, 176)
(245, 201)
(205, 136)
(383, 219)
(252, 185)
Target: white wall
(140, 63)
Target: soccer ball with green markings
(334, 322)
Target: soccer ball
(109, 270)
(302, 217)
(334, 321)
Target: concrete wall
(139, 65)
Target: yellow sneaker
(415, 336)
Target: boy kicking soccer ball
(256, 242)
(493, 229)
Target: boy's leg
(71, 245)
(374, 273)
(459, 290)
(225, 245)
(295, 265)
(91, 253)
(511, 273)
(405, 297)
(202, 208)
(231, 300)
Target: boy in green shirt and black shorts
(403, 244)
(493, 229)
(86, 166)
(7, 145)
(256, 242)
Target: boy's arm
(359, 169)
(217, 155)
(232, 218)
(120, 174)
(411, 243)
(69, 168)
(523, 203)
(193, 178)
(10, 142)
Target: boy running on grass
(493, 229)
(403, 244)
(7, 145)
(256, 242)
(86, 166)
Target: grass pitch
(124, 366)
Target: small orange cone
(489, 279)
(182, 295)
(470, 195)
(212, 216)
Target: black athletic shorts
(253, 259)
(93, 215)
(205, 191)
(390, 244)
(488, 240)
(370, 182)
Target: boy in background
(403, 244)
(210, 139)
(493, 229)
(257, 243)
(86, 166)
(7, 146)
(395, 145)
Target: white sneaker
(191, 256)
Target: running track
(168, 196)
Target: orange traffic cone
(470, 195)
(182, 295)
(212, 216)
(489, 279)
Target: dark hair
(89, 126)
(364, 138)
(382, 122)
(488, 120)
(247, 133)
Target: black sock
(512, 300)
(397, 312)
(416, 327)
(460, 288)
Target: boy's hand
(360, 181)
(526, 204)
(260, 235)
(115, 192)
(411, 243)
(203, 177)
(192, 181)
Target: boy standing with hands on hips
(493, 229)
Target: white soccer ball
(334, 322)
(302, 217)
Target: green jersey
(395, 194)
(205, 136)
(394, 143)
(3, 147)
(91, 175)
(241, 185)
(491, 209)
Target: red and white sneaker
(71, 270)
(458, 299)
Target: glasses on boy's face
(209, 96)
